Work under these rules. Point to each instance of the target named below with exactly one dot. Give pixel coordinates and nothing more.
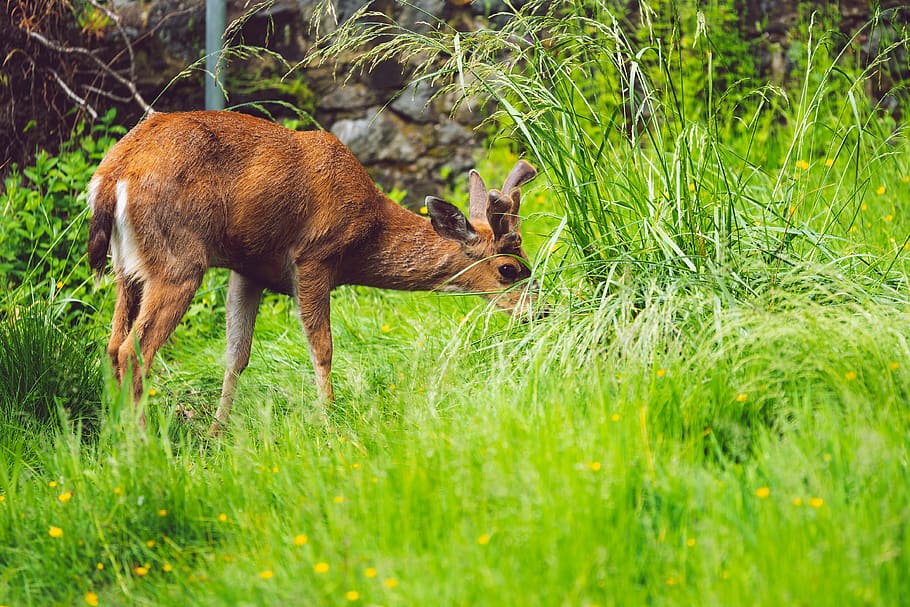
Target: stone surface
(380, 137)
(413, 103)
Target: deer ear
(449, 222)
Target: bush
(45, 219)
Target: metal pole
(215, 17)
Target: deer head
(490, 236)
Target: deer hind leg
(242, 305)
(164, 302)
(129, 296)
(313, 291)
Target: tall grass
(658, 162)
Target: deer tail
(101, 200)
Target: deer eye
(508, 271)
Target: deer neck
(405, 253)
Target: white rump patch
(124, 249)
(93, 192)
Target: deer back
(226, 189)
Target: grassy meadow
(715, 412)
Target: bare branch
(126, 39)
(78, 50)
(72, 95)
(107, 94)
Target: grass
(715, 413)
(759, 456)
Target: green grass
(715, 413)
(495, 472)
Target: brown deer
(293, 212)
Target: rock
(422, 15)
(413, 102)
(379, 136)
(349, 97)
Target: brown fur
(292, 212)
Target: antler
(499, 209)
(477, 195)
(503, 210)
(521, 173)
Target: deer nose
(541, 312)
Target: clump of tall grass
(659, 162)
(50, 373)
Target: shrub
(45, 219)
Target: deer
(290, 211)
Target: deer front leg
(242, 304)
(313, 290)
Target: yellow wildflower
(91, 598)
(55, 531)
(339, 499)
(880, 190)
(266, 574)
(370, 572)
(352, 595)
(300, 540)
(167, 568)
(829, 162)
(390, 583)
(140, 570)
(162, 512)
(483, 540)
(661, 372)
(741, 398)
(816, 502)
(222, 517)
(594, 466)
(762, 492)
(850, 375)
(894, 366)
(150, 543)
(321, 567)
(65, 497)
